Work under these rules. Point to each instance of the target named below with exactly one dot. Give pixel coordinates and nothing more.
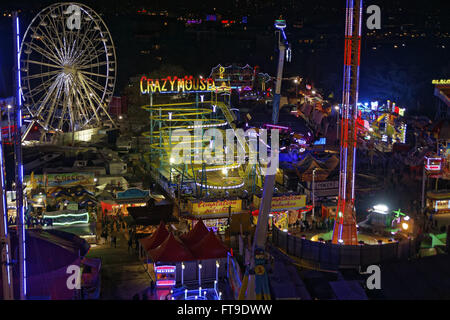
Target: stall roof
(171, 250)
(151, 216)
(158, 237)
(210, 247)
(195, 235)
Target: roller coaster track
(189, 116)
(230, 118)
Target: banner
(289, 202)
(214, 207)
(61, 179)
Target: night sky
(418, 62)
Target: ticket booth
(165, 276)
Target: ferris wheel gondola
(68, 72)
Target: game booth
(439, 201)
(146, 219)
(215, 214)
(285, 210)
(188, 267)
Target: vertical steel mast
(269, 179)
(18, 163)
(345, 226)
(8, 293)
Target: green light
(398, 213)
(85, 215)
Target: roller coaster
(200, 173)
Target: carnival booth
(188, 267)
(285, 209)
(439, 201)
(215, 215)
(329, 210)
(132, 197)
(146, 218)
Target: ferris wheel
(68, 69)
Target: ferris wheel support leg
(27, 131)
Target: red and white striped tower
(345, 226)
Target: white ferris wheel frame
(70, 87)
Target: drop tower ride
(345, 224)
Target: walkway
(122, 274)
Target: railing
(335, 256)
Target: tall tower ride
(345, 224)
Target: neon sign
(176, 85)
(165, 276)
(441, 81)
(68, 219)
(223, 86)
(165, 269)
(433, 164)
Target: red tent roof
(158, 237)
(195, 235)
(210, 247)
(171, 250)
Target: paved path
(122, 274)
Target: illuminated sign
(194, 21)
(441, 81)
(165, 283)
(165, 269)
(61, 179)
(433, 164)
(67, 219)
(321, 141)
(442, 205)
(223, 86)
(291, 202)
(214, 207)
(165, 275)
(403, 132)
(176, 85)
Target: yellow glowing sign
(290, 202)
(176, 85)
(214, 207)
(441, 81)
(223, 86)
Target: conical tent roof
(171, 250)
(306, 159)
(156, 238)
(195, 235)
(210, 247)
(332, 162)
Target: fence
(335, 256)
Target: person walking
(152, 287)
(114, 241)
(136, 242)
(130, 244)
